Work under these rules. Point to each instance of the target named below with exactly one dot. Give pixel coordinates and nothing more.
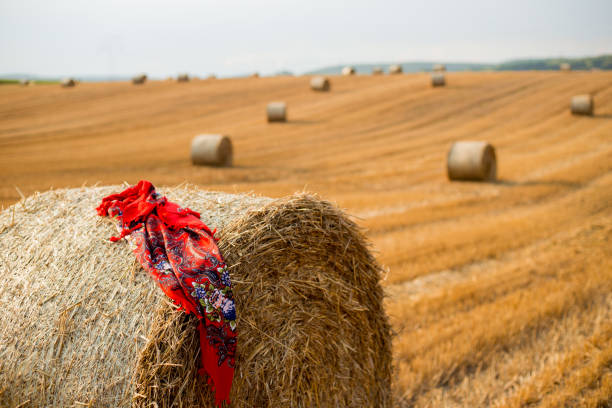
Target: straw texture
(437, 79)
(439, 68)
(395, 69)
(349, 70)
(276, 112)
(139, 79)
(211, 150)
(319, 83)
(67, 82)
(582, 105)
(469, 160)
(83, 325)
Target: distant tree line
(600, 62)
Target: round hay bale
(68, 82)
(139, 79)
(349, 70)
(277, 112)
(437, 79)
(439, 68)
(319, 83)
(211, 150)
(395, 69)
(565, 67)
(582, 105)
(182, 78)
(471, 161)
(377, 71)
(24, 82)
(82, 322)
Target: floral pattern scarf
(181, 254)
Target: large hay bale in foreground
(83, 324)
(348, 70)
(437, 79)
(395, 69)
(68, 82)
(471, 161)
(582, 105)
(319, 83)
(276, 112)
(139, 79)
(211, 150)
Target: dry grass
(580, 378)
(452, 335)
(496, 290)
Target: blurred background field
(499, 293)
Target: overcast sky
(122, 37)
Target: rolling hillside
(499, 294)
(603, 62)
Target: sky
(200, 37)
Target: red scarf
(180, 253)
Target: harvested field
(500, 294)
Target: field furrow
(499, 293)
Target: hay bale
(471, 161)
(24, 82)
(582, 105)
(565, 67)
(211, 150)
(377, 71)
(277, 112)
(349, 70)
(68, 82)
(182, 78)
(82, 322)
(437, 79)
(319, 83)
(139, 79)
(395, 69)
(439, 68)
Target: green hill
(600, 62)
